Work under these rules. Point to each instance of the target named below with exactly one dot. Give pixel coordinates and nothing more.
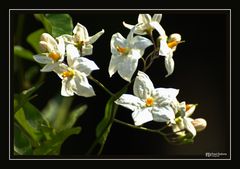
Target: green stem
(101, 85)
(153, 41)
(139, 128)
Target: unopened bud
(199, 124)
(43, 46)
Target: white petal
(87, 50)
(43, 59)
(161, 94)
(83, 88)
(72, 54)
(157, 17)
(158, 27)
(127, 67)
(189, 126)
(93, 38)
(60, 69)
(68, 38)
(140, 29)
(113, 65)
(163, 114)
(143, 86)
(140, 42)
(127, 25)
(131, 102)
(142, 116)
(144, 18)
(164, 49)
(169, 65)
(49, 67)
(191, 110)
(117, 40)
(85, 65)
(130, 35)
(66, 89)
(135, 54)
(81, 32)
(61, 46)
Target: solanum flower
(74, 75)
(149, 103)
(53, 52)
(82, 40)
(126, 53)
(146, 24)
(167, 47)
(185, 122)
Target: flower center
(68, 73)
(54, 55)
(122, 50)
(149, 101)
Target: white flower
(126, 53)
(185, 122)
(149, 103)
(74, 76)
(53, 52)
(167, 47)
(146, 24)
(82, 40)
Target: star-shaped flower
(149, 103)
(146, 24)
(74, 75)
(82, 40)
(126, 53)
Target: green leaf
(53, 146)
(22, 98)
(73, 116)
(22, 144)
(34, 38)
(103, 128)
(60, 24)
(56, 24)
(23, 53)
(57, 111)
(30, 120)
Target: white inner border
(230, 83)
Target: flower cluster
(72, 47)
(148, 103)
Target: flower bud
(43, 46)
(199, 124)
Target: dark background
(201, 73)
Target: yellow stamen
(55, 56)
(174, 43)
(188, 106)
(121, 50)
(68, 73)
(149, 101)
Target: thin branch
(101, 85)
